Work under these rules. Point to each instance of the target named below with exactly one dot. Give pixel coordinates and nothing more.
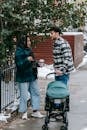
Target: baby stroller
(56, 104)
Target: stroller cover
(57, 89)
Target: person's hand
(58, 72)
(30, 58)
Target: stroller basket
(57, 90)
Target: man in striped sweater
(62, 56)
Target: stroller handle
(50, 74)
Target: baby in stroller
(56, 104)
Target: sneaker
(37, 114)
(24, 116)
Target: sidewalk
(78, 106)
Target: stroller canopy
(57, 89)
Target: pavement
(77, 115)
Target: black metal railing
(8, 87)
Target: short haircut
(56, 29)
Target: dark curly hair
(55, 29)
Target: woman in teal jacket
(26, 77)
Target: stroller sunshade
(57, 89)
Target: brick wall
(43, 50)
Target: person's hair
(56, 29)
(22, 42)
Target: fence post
(0, 90)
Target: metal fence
(8, 87)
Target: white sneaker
(24, 116)
(37, 114)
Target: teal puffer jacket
(25, 71)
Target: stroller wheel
(65, 119)
(64, 128)
(46, 120)
(67, 104)
(44, 127)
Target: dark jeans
(64, 78)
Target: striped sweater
(62, 56)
